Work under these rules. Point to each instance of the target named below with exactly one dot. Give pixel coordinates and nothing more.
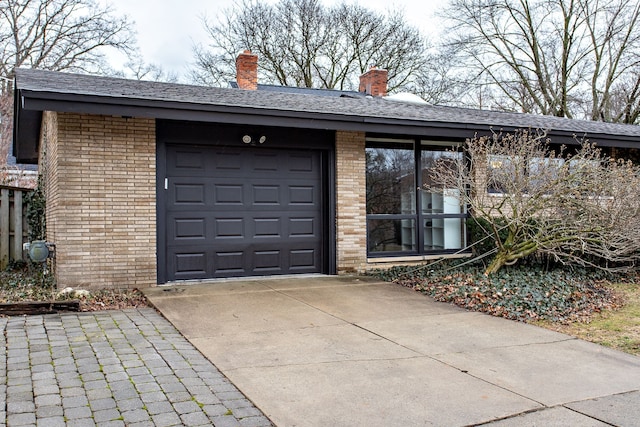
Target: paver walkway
(111, 368)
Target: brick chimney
(374, 82)
(247, 70)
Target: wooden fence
(13, 224)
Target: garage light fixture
(253, 140)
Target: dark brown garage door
(245, 211)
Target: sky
(167, 29)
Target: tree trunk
(496, 264)
(509, 256)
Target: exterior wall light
(248, 139)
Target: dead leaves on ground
(532, 294)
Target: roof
(306, 90)
(38, 90)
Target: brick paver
(111, 368)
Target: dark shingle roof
(306, 90)
(45, 90)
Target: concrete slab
(553, 373)
(346, 351)
(460, 332)
(619, 409)
(369, 301)
(315, 281)
(551, 417)
(229, 313)
(258, 284)
(196, 288)
(407, 392)
(299, 346)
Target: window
(402, 217)
(442, 211)
(503, 173)
(586, 171)
(543, 173)
(507, 174)
(391, 207)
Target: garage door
(246, 211)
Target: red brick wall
(374, 82)
(247, 71)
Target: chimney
(247, 70)
(374, 82)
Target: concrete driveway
(346, 351)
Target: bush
(482, 240)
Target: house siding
(47, 165)
(100, 175)
(101, 199)
(351, 203)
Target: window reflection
(543, 172)
(402, 216)
(502, 172)
(391, 235)
(390, 180)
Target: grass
(618, 329)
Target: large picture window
(403, 218)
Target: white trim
(415, 258)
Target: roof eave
(26, 132)
(30, 104)
(165, 109)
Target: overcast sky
(167, 29)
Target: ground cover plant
(23, 282)
(587, 303)
(518, 293)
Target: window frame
(420, 216)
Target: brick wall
(247, 70)
(101, 199)
(351, 204)
(374, 82)
(47, 166)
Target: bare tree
(303, 43)
(59, 35)
(6, 114)
(9, 174)
(568, 58)
(580, 207)
(137, 69)
(441, 82)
